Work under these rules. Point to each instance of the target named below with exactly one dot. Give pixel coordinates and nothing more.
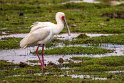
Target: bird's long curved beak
(69, 33)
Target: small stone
(60, 60)
(21, 14)
(22, 64)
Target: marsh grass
(9, 43)
(55, 79)
(5, 64)
(43, 79)
(97, 64)
(97, 67)
(10, 69)
(89, 66)
(76, 50)
(113, 39)
(33, 61)
(18, 17)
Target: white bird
(43, 32)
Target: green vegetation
(77, 50)
(10, 69)
(9, 43)
(5, 64)
(108, 2)
(96, 67)
(55, 79)
(82, 36)
(113, 39)
(43, 79)
(17, 16)
(112, 61)
(33, 61)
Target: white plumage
(42, 32)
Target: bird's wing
(34, 37)
(38, 25)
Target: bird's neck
(59, 26)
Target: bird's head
(61, 16)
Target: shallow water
(60, 36)
(114, 71)
(91, 1)
(94, 1)
(93, 77)
(79, 1)
(14, 35)
(23, 55)
(97, 35)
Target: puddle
(23, 55)
(66, 37)
(74, 35)
(97, 35)
(114, 71)
(93, 77)
(14, 35)
(91, 1)
(60, 36)
(3, 33)
(79, 1)
(114, 2)
(86, 77)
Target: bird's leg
(41, 65)
(43, 56)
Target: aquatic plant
(76, 50)
(18, 18)
(9, 43)
(33, 61)
(113, 39)
(95, 67)
(82, 36)
(97, 64)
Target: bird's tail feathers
(23, 42)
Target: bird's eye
(63, 17)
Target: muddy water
(23, 55)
